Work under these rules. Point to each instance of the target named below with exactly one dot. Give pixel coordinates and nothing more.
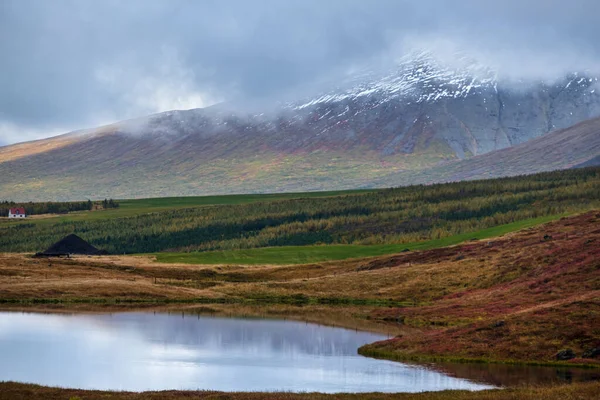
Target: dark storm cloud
(67, 64)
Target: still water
(146, 351)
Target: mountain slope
(389, 128)
(592, 162)
(465, 108)
(575, 147)
(132, 172)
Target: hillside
(574, 147)
(562, 149)
(393, 218)
(385, 128)
(523, 296)
(592, 162)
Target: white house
(18, 212)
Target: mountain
(465, 109)
(414, 123)
(574, 147)
(592, 162)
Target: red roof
(18, 210)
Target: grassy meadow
(133, 207)
(163, 203)
(309, 227)
(286, 255)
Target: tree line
(50, 207)
(397, 215)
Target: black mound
(71, 244)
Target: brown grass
(23, 277)
(545, 291)
(20, 150)
(579, 391)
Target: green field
(133, 207)
(300, 227)
(287, 255)
(138, 206)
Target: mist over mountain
(266, 96)
(409, 124)
(140, 57)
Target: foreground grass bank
(578, 391)
(522, 297)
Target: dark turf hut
(68, 245)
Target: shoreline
(365, 350)
(518, 299)
(22, 391)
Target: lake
(148, 351)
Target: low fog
(71, 64)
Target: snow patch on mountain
(417, 77)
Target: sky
(74, 64)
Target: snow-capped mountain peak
(419, 77)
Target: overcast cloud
(70, 64)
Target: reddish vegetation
(543, 295)
(524, 296)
